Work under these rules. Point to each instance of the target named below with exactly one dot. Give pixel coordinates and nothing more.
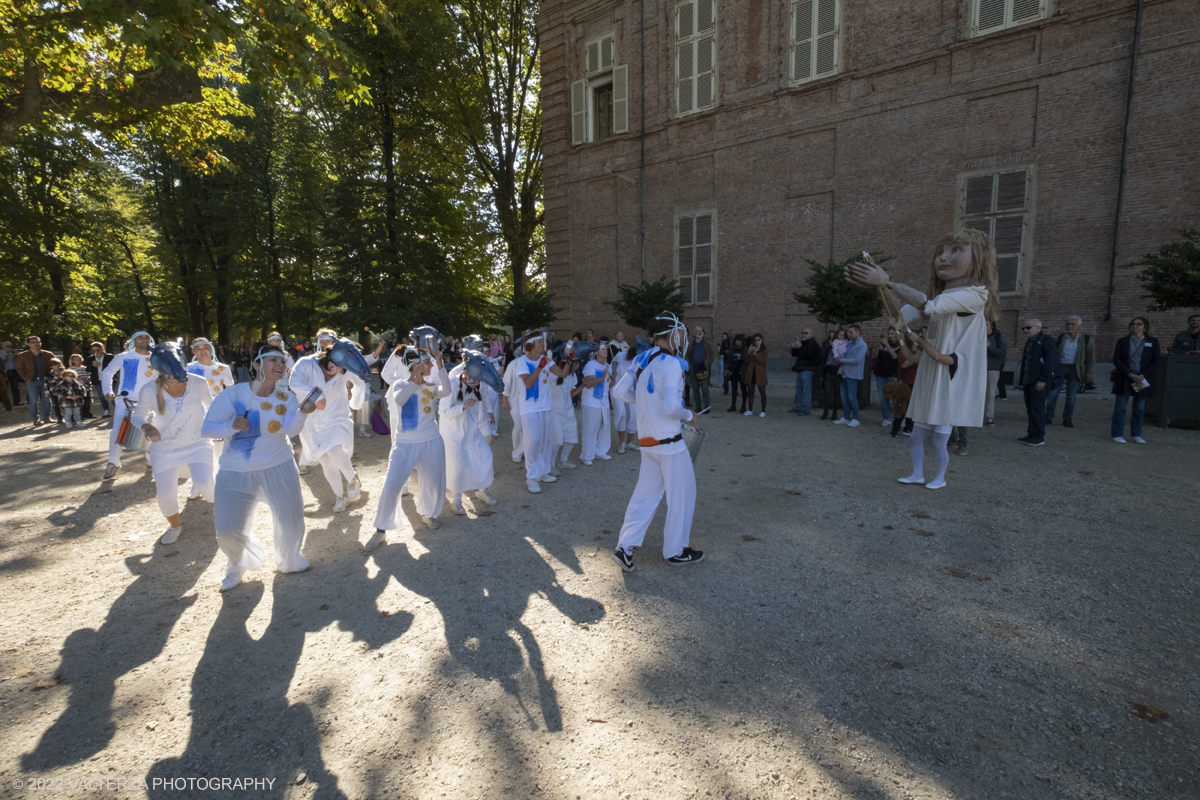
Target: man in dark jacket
(1039, 363)
(1076, 363)
(997, 353)
(807, 353)
(33, 365)
(95, 366)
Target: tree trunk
(272, 246)
(137, 283)
(387, 130)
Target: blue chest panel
(408, 414)
(130, 366)
(531, 392)
(243, 442)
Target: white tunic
(333, 425)
(595, 396)
(535, 398)
(514, 389)
(179, 424)
(272, 420)
(659, 397)
(957, 328)
(218, 376)
(412, 406)
(135, 371)
(468, 457)
(564, 412)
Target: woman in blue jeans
(887, 365)
(1134, 364)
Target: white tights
(941, 435)
(565, 454)
(336, 465)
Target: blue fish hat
(167, 358)
(346, 355)
(419, 334)
(479, 367)
(473, 342)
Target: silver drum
(693, 438)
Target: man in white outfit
(134, 368)
(514, 390)
(655, 384)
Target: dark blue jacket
(1122, 368)
(1039, 360)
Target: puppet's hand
(866, 275)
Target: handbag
(377, 423)
(701, 374)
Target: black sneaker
(1035, 442)
(624, 559)
(706, 409)
(1067, 423)
(989, 422)
(688, 556)
(1025, 438)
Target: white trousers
(626, 417)
(120, 412)
(233, 514)
(429, 459)
(518, 437)
(537, 439)
(167, 483)
(673, 475)
(335, 463)
(597, 438)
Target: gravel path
(1028, 632)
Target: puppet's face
(954, 262)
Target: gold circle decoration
(428, 410)
(211, 382)
(274, 426)
(281, 395)
(265, 405)
(149, 372)
(281, 409)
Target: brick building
(772, 131)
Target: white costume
(181, 448)
(624, 414)
(665, 467)
(514, 390)
(416, 442)
(564, 413)
(492, 403)
(945, 395)
(217, 376)
(135, 372)
(468, 457)
(328, 436)
(537, 436)
(256, 466)
(597, 437)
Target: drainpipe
(1112, 269)
(642, 167)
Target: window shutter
(621, 99)
(686, 252)
(979, 196)
(802, 34)
(704, 15)
(685, 24)
(702, 292)
(1026, 10)
(990, 15)
(998, 205)
(606, 53)
(826, 37)
(578, 112)
(704, 72)
(1010, 194)
(593, 57)
(685, 71)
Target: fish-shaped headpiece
(473, 342)
(348, 357)
(427, 337)
(167, 358)
(481, 368)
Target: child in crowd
(70, 392)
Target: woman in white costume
(537, 436)
(597, 437)
(565, 386)
(468, 457)
(134, 368)
(170, 411)
(257, 466)
(492, 402)
(417, 443)
(514, 390)
(951, 381)
(276, 339)
(328, 436)
(217, 376)
(624, 414)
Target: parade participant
(514, 391)
(170, 411)
(257, 466)
(656, 386)
(597, 437)
(492, 401)
(135, 370)
(417, 443)
(217, 376)
(951, 378)
(625, 414)
(275, 339)
(328, 436)
(564, 387)
(468, 457)
(537, 437)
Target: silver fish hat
(167, 358)
(473, 342)
(481, 368)
(420, 334)
(346, 355)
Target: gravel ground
(1028, 632)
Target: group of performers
(235, 440)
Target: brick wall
(871, 157)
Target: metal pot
(693, 438)
(130, 436)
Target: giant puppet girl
(951, 378)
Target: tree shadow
(135, 631)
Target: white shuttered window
(816, 39)
(695, 257)
(600, 101)
(1000, 204)
(996, 15)
(695, 56)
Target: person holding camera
(886, 367)
(807, 353)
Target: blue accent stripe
(130, 366)
(408, 414)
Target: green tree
(639, 305)
(531, 310)
(835, 301)
(1171, 277)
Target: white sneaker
(105, 414)
(548, 478)
(375, 541)
(457, 507)
(620, 448)
(842, 421)
(534, 487)
(233, 576)
(355, 489)
(1139, 440)
(430, 523)
(170, 535)
(565, 465)
(605, 457)
(634, 446)
(853, 423)
(555, 472)
(762, 414)
(305, 469)
(1120, 440)
(367, 433)
(747, 413)
(887, 423)
(339, 504)
(585, 462)
(194, 495)
(486, 496)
